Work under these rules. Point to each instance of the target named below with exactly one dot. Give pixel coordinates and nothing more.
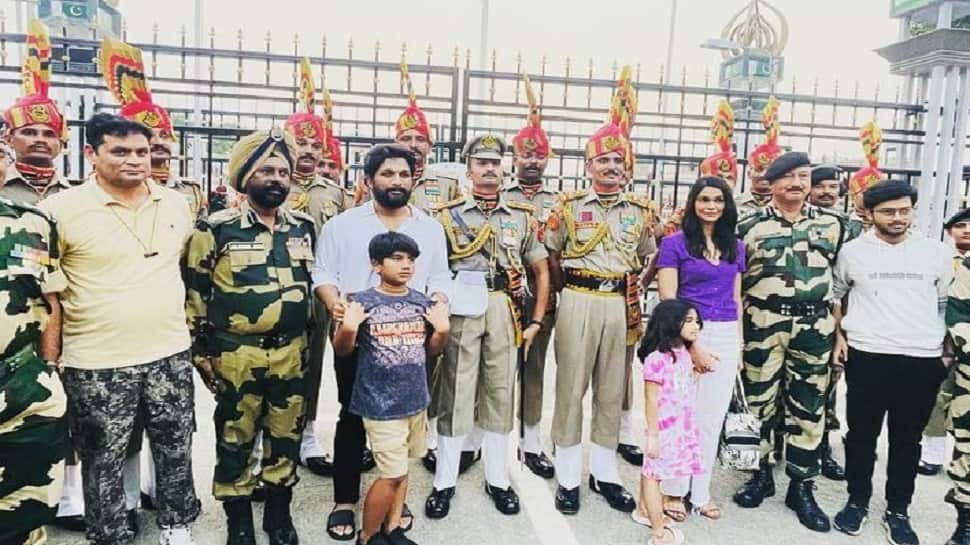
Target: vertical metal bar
(957, 192)
(455, 100)
(930, 148)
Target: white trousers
(713, 397)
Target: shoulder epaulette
(189, 181)
(301, 216)
(223, 216)
(530, 208)
(449, 204)
(567, 196)
(28, 208)
(640, 200)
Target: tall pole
(483, 48)
(197, 171)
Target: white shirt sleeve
(439, 277)
(326, 257)
(841, 279)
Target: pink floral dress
(680, 451)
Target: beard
(392, 198)
(269, 196)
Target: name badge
(244, 246)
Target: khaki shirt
(318, 199)
(506, 239)
(543, 202)
(19, 190)
(431, 192)
(747, 204)
(193, 193)
(790, 262)
(609, 239)
(125, 299)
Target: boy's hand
(354, 315)
(438, 315)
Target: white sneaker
(176, 535)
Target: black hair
(888, 190)
(663, 329)
(724, 237)
(105, 124)
(385, 245)
(382, 152)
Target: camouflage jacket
(31, 267)
(790, 262)
(245, 280)
(958, 311)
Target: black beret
(826, 172)
(961, 215)
(786, 163)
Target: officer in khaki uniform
(331, 166)
(412, 130)
(315, 196)
(601, 240)
(491, 244)
(532, 152)
(248, 283)
(759, 194)
(33, 427)
(789, 330)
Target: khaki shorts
(396, 441)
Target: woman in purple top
(702, 264)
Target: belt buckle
(607, 286)
(270, 342)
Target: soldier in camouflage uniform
(788, 329)
(33, 428)
(532, 152)
(828, 188)
(412, 131)
(958, 326)
(491, 243)
(315, 196)
(248, 278)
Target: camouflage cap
(486, 146)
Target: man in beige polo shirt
(125, 338)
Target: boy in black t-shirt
(395, 331)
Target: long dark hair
(663, 329)
(723, 237)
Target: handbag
(741, 437)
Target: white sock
(934, 450)
(309, 447)
(148, 473)
(431, 436)
(602, 464)
(72, 496)
(473, 441)
(627, 434)
(449, 457)
(569, 465)
(495, 448)
(131, 474)
(530, 440)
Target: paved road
(473, 520)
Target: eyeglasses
(893, 212)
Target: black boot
(276, 516)
(761, 485)
(801, 500)
(239, 522)
(830, 468)
(961, 536)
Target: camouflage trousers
(939, 419)
(792, 351)
(831, 413)
(314, 364)
(103, 405)
(258, 390)
(959, 469)
(33, 443)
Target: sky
(830, 39)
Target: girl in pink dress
(672, 446)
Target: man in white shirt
(342, 266)
(891, 344)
